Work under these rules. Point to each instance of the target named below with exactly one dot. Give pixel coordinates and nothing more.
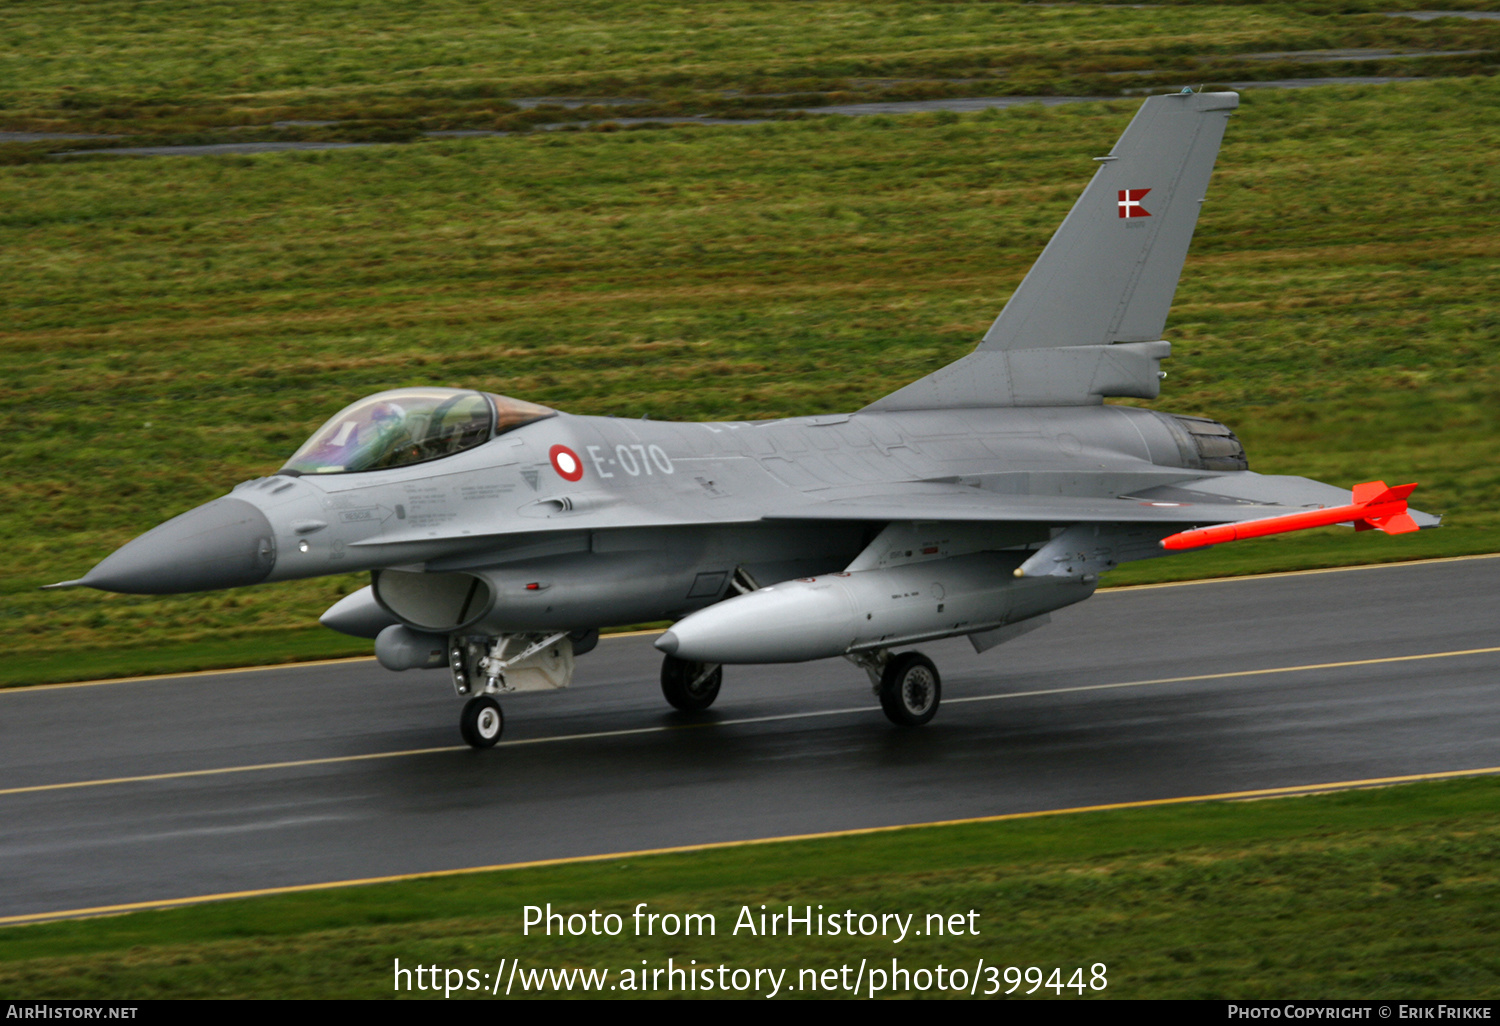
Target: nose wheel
(910, 689)
(482, 722)
(690, 686)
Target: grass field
(184, 68)
(175, 325)
(1389, 893)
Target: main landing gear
(910, 689)
(690, 686)
(907, 685)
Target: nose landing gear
(482, 722)
(502, 665)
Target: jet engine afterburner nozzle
(226, 543)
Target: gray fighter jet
(501, 535)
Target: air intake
(439, 603)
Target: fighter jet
(500, 535)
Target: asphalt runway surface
(1135, 695)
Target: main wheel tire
(910, 689)
(677, 677)
(482, 722)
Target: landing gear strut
(499, 665)
(690, 686)
(910, 689)
(482, 722)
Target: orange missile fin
(1376, 491)
(1401, 523)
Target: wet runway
(309, 774)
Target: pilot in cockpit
(410, 425)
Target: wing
(1218, 499)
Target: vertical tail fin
(1110, 271)
(1106, 278)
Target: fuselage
(578, 521)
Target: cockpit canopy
(409, 425)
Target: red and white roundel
(566, 462)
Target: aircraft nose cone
(222, 544)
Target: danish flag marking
(1130, 203)
(566, 462)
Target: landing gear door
(545, 670)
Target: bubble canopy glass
(409, 425)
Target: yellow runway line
(1267, 792)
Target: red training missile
(1374, 507)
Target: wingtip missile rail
(1375, 507)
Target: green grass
(183, 68)
(1387, 893)
(178, 325)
